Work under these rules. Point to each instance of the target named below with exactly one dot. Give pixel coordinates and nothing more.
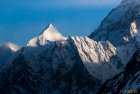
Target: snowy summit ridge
(49, 34)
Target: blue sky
(21, 20)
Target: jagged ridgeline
(53, 64)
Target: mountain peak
(50, 25)
(50, 30)
(49, 34)
(6, 51)
(10, 45)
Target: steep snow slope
(122, 24)
(48, 35)
(6, 51)
(127, 82)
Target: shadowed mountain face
(127, 82)
(54, 68)
(122, 24)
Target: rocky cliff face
(127, 82)
(100, 58)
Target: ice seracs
(49, 35)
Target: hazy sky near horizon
(21, 20)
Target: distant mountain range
(53, 64)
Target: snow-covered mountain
(122, 28)
(48, 35)
(6, 51)
(100, 58)
(127, 82)
(54, 68)
(53, 64)
(122, 24)
(50, 64)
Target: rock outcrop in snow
(133, 29)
